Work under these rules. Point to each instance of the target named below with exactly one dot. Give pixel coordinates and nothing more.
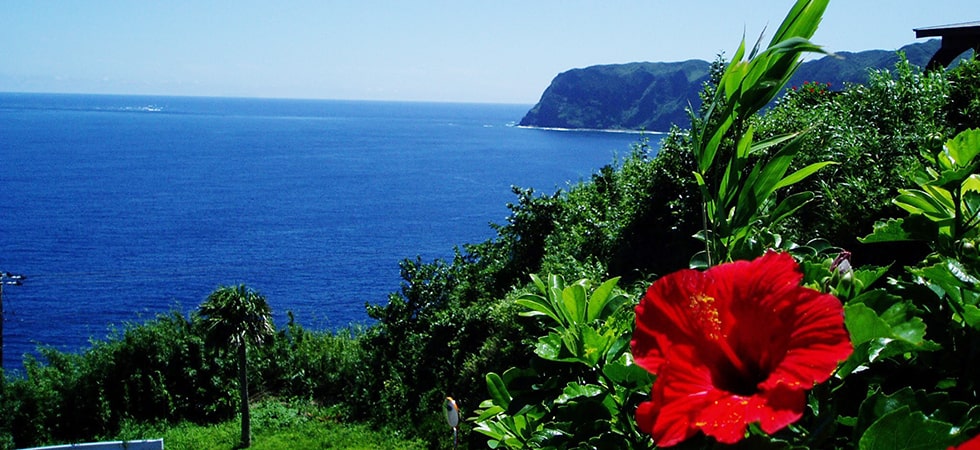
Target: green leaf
(707, 156)
(894, 332)
(773, 171)
(802, 174)
(574, 390)
(537, 305)
(556, 288)
(498, 391)
(789, 206)
(599, 299)
(540, 284)
(699, 260)
(761, 146)
(971, 205)
(952, 179)
(909, 430)
(864, 324)
(491, 411)
(950, 276)
(916, 201)
(971, 315)
(801, 20)
(492, 430)
(745, 143)
(552, 348)
(574, 301)
(629, 375)
(594, 345)
(962, 149)
(896, 230)
(699, 179)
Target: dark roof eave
(959, 29)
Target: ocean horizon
(119, 208)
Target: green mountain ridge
(653, 96)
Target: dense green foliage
(454, 322)
(874, 133)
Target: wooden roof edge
(968, 28)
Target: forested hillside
(652, 96)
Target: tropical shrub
(584, 386)
(157, 371)
(874, 132)
(963, 108)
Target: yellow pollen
(706, 314)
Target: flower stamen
(706, 313)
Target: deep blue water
(118, 208)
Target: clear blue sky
(502, 51)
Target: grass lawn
(275, 425)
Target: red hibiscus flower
(739, 343)
(972, 444)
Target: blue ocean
(119, 208)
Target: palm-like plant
(236, 316)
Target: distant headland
(652, 96)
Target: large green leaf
(707, 154)
(971, 315)
(802, 20)
(626, 373)
(952, 277)
(917, 201)
(761, 146)
(864, 324)
(539, 283)
(594, 345)
(575, 390)
(575, 302)
(971, 206)
(489, 410)
(599, 300)
(951, 180)
(745, 143)
(498, 390)
(789, 205)
(893, 332)
(961, 150)
(908, 430)
(801, 174)
(908, 229)
(538, 305)
(554, 348)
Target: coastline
(592, 130)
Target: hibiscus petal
(663, 318)
(680, 392)
(646, 415)
(727, 418)
(779, 407)
(817, 344)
